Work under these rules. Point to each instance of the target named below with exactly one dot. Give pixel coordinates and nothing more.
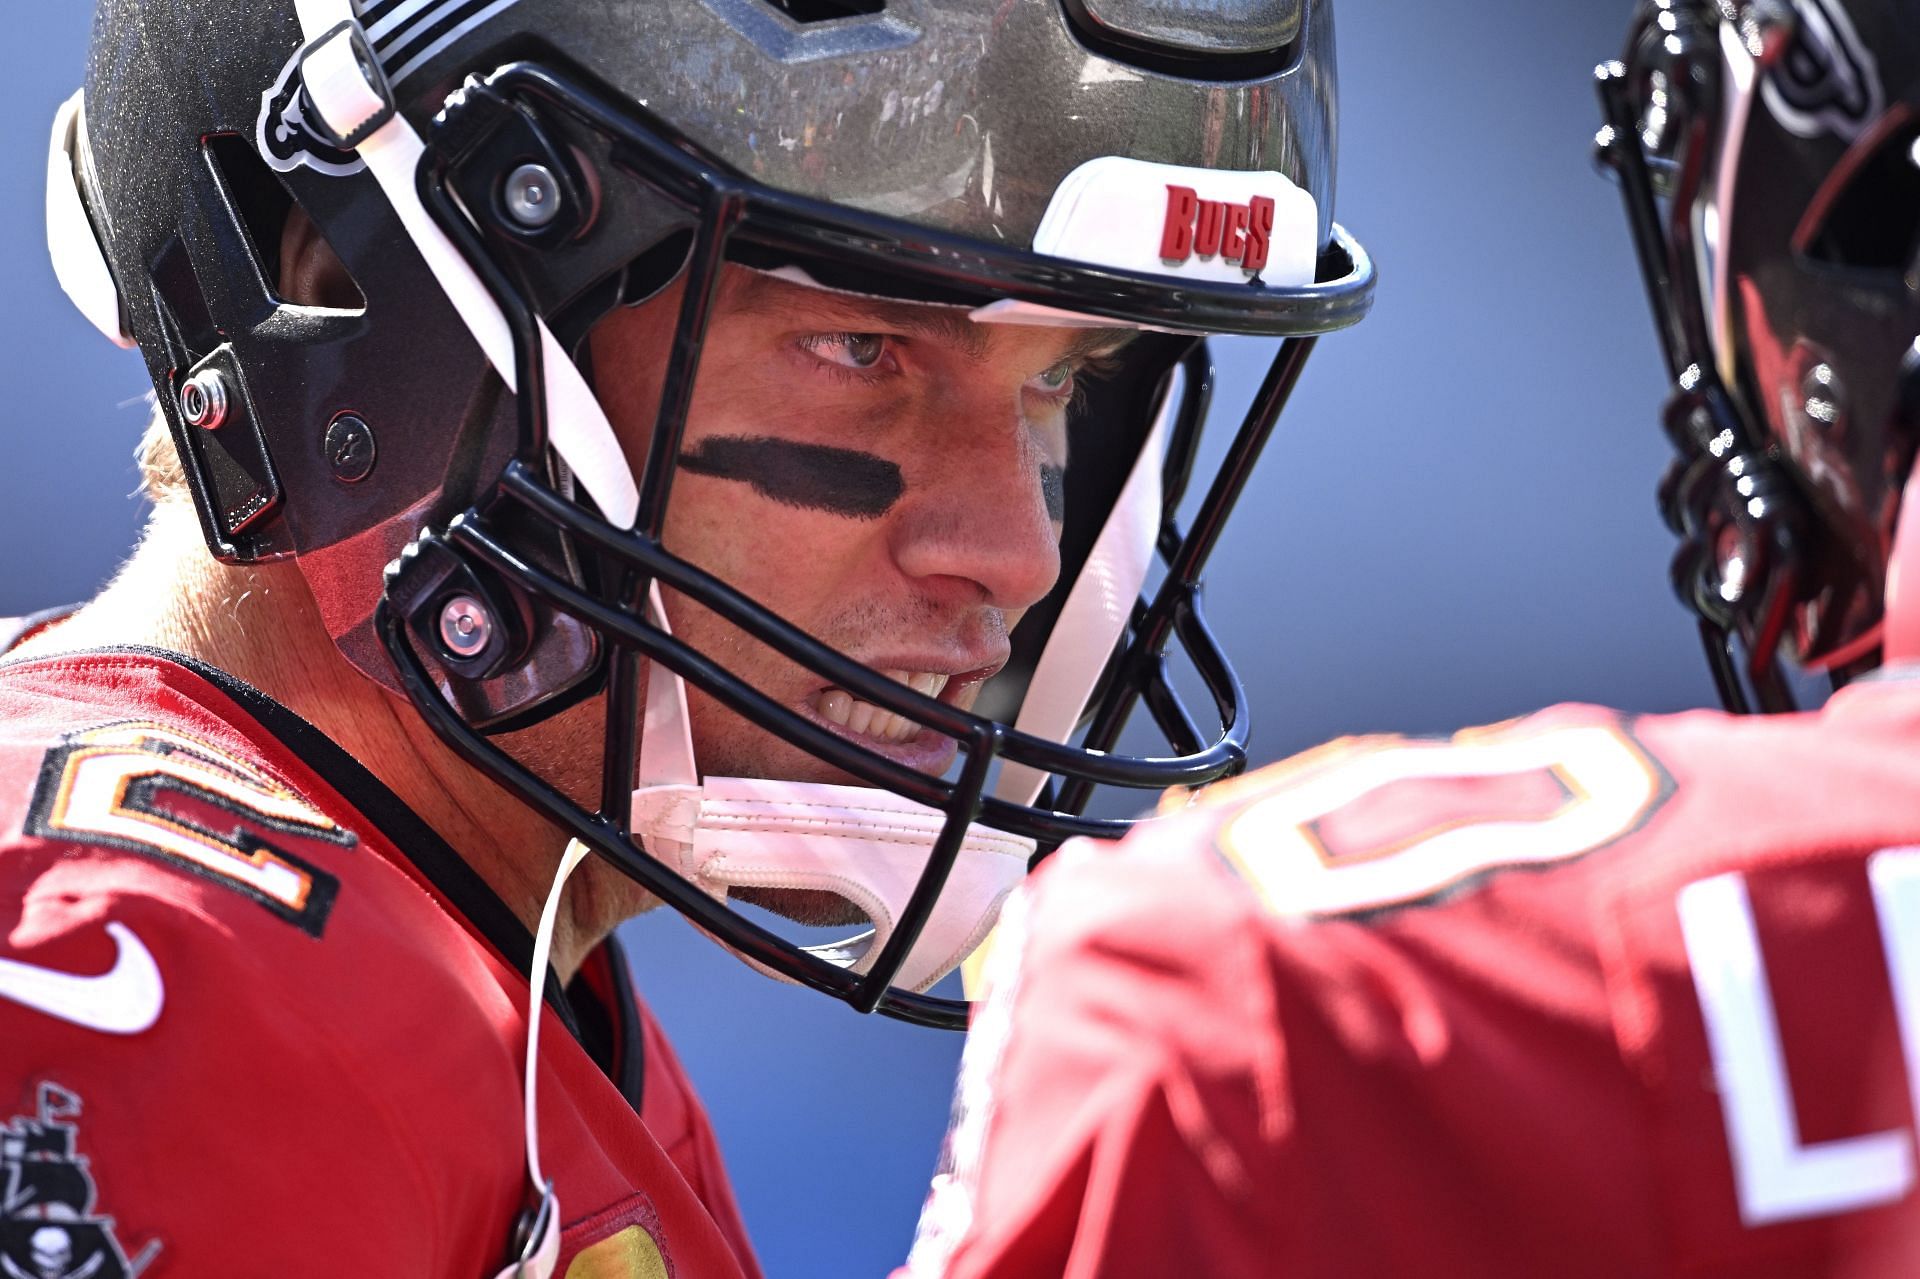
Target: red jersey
(1581, 994)
(256, 1018)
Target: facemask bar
(1142, 669)
(1734, 509)
(725, 208)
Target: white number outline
(101, 787)
(1612, 786)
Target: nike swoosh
(124, 1000)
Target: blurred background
(1455, 523)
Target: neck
(260, 625)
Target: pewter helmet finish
(961, 116)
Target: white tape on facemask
(1095, 615)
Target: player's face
(885, 475)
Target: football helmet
(496, 176)
(1769, 157)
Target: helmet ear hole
(311, 273)
(292, 258)
(1867, 215)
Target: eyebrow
(945, 324)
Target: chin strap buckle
(536, 1240)
(350, 94)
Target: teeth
(839, 707)
(863, 714)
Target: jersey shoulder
(1579, 904)
(122, 773)
(133, 787)
(199, 955)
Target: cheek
(801, 564)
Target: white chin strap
(857, 844)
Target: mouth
(901, 739)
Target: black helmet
(1769, 154)
(498, 175)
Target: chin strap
(856, 843)
(536, 1242)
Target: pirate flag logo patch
(49, 1226)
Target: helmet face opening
(538, 571)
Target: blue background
(1454, 524)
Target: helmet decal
(1232, 226)
(1827, 81)
(286, 135)
(403, 35)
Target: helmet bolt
(1731, 555)
(349, 448)
(203, 400)
(1823, 399)
(465, 626)
(532, 196)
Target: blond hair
(162, 478)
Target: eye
(849, 350)
(1057, 380)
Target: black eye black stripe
(815, 477)
(1053, 490)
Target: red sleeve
(672, 1112)
(1120, 1094)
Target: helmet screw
(350, 448)
(532, 196)
(465, 626)
(1823, 399)
(1731, 556)
(203, 399)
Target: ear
(311, 274)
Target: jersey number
(157, 791)
(1397, 821)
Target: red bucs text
(1202, 228)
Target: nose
(976, 518)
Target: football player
(659, 436)
(1585, 993)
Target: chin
(805, 906)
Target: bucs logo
(49, 1228)
(285, 136)
(1202, 228)
(1826, 81)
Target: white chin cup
(859, 844)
